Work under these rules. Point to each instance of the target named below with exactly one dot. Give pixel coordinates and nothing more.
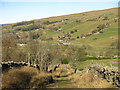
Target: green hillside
(95, 30)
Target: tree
(101, 26)
(76, 55)
(40, 54)
(77, 37)
(105, 18)
(9, 48)
(72, 32)
(78, 20)
(75, 30)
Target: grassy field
(105, 62)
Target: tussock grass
(24, 77)
(41, 80)
(90, 81)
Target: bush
(23, 23)
(25, 77)
(75, 30)
(91, 58)
(80, 69)
(65, 61)
(72, 32)
(77, 37)
(18, 77)
(41, 80)
(106, 18)
(35, 36)
(101, 26)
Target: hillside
(96, 30)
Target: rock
(109, 73)
(37, 66)
(55, 68)
(51, 80)
(75, 70)
(5, 66)
(50, 71)
(78, 72)
(58, 65)
(16, 65)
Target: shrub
(77, 37)
(65, 61)
(106, 18)
(78, 20)
(72, 32)
(35, 36)
(25, 77)
(41, 80)
(101, 26)
(23, 23)
(18, 77)
(75, 30)
(60, 59)
(80, 69)
(91, 58)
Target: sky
(12, 11)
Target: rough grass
(87, 80)
(41, 80)
(25, 77)
(106, 62)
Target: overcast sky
(17, 10)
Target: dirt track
(65, 78)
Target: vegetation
(25, 77)
(65, 61)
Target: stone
(37, 66)
(55, 68)
(50, 70)
(5, 66)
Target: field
(105, 62)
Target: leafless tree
(9, 47)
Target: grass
(83, 80)
(88, 80)
(106, 62)
(41, 80)
(25, 77)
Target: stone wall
(111, 74)
(53, 68)
(10, 64)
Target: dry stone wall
(111, 74)
(10, 64)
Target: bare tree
(76, 55)
(9, 47)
